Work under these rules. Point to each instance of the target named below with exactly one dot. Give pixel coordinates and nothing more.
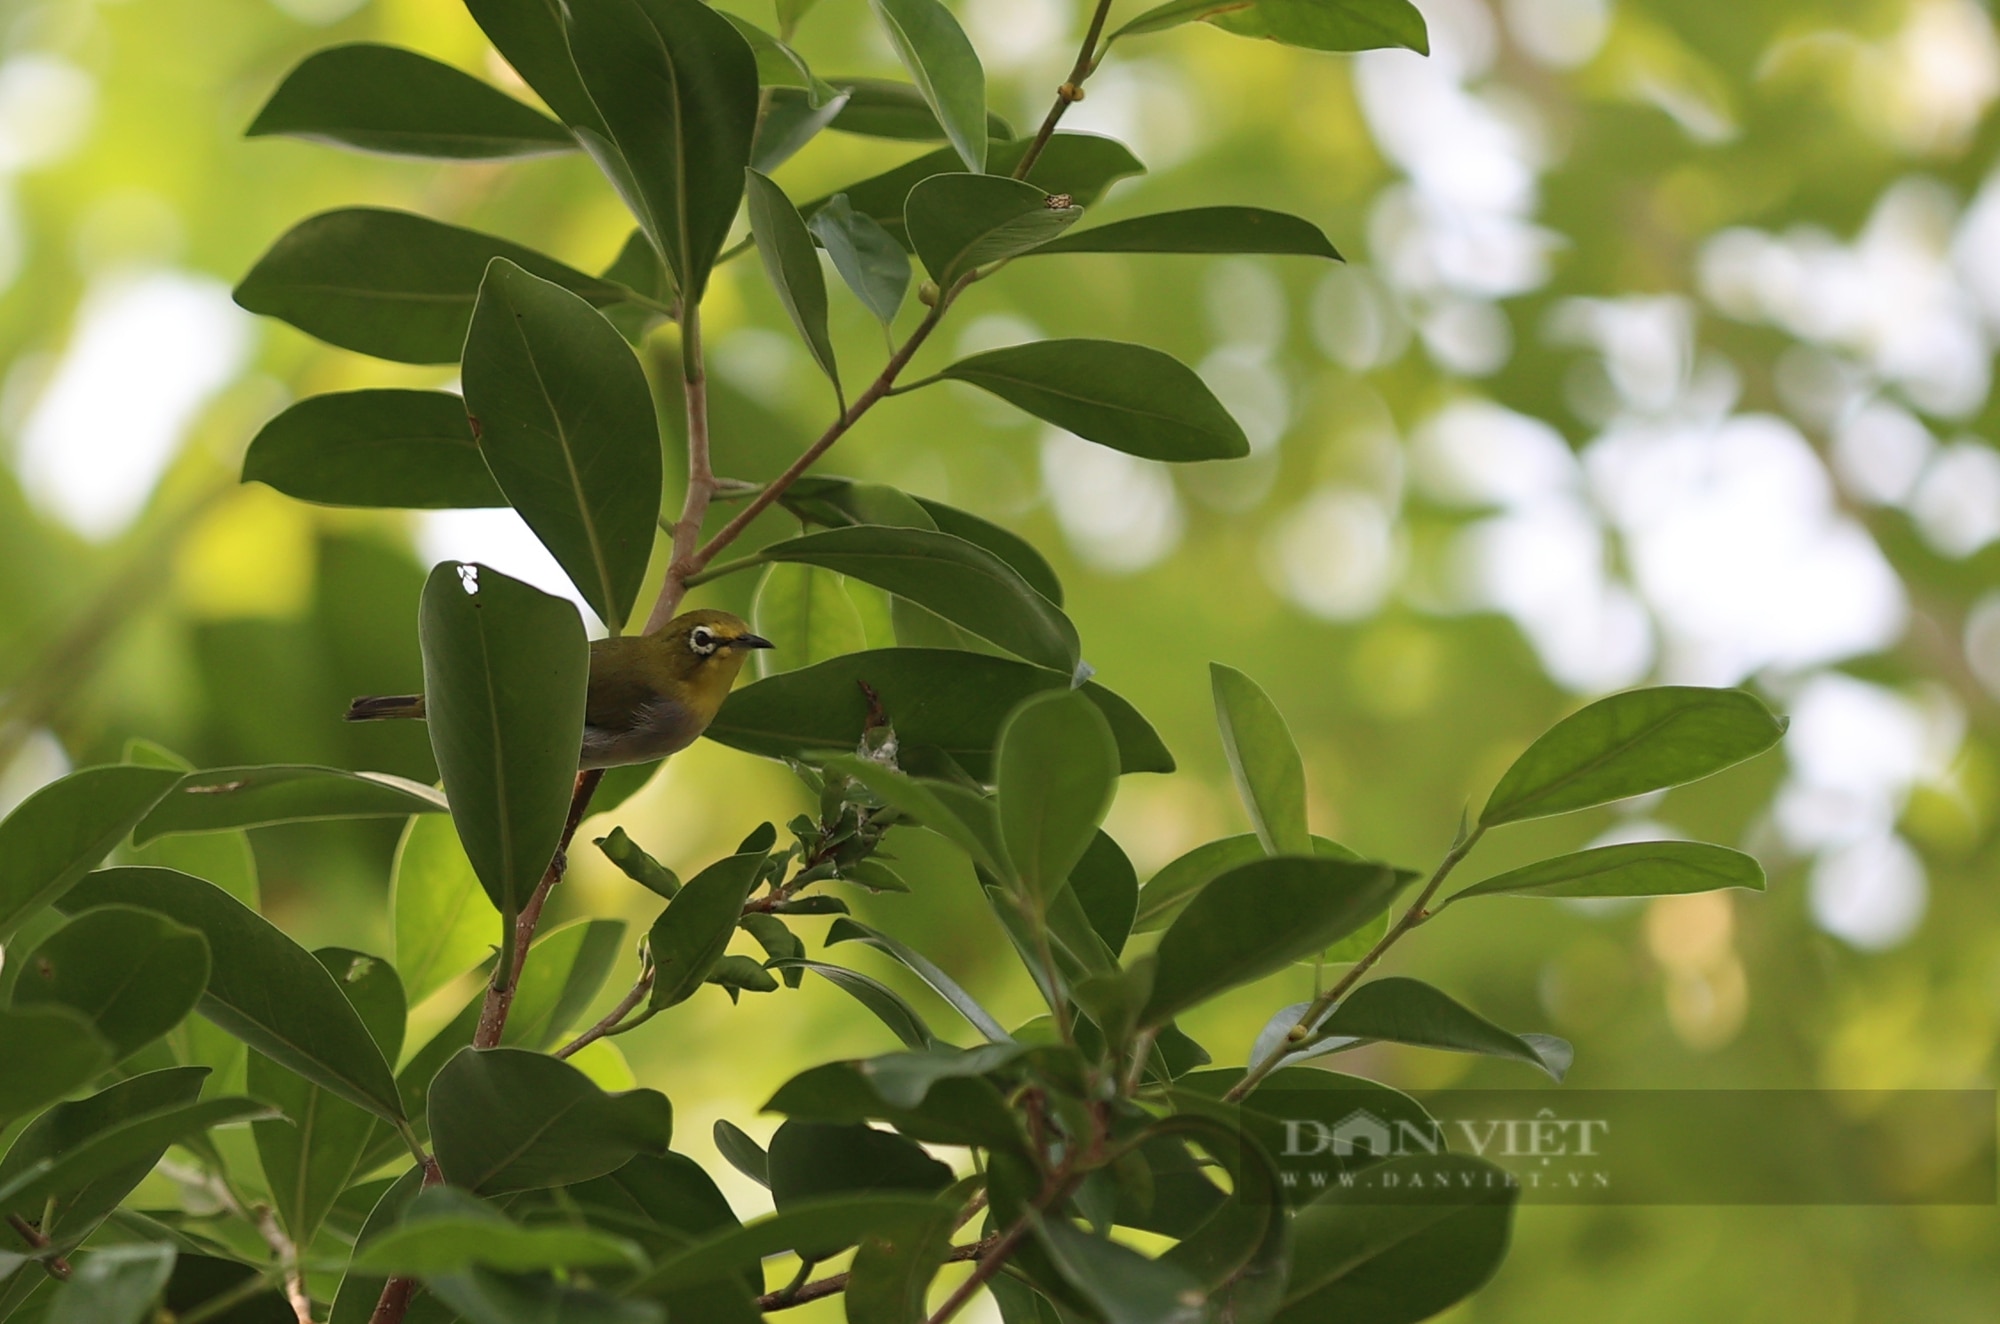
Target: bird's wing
(619, 703)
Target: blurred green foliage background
(1663, 352)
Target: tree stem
(58, 1267)
(507, 979)
(609, 1025)
(786, 1298)
(1070, 92)
(701, 485)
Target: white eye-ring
(702, 640)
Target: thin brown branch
(1070, 92)
(786, 1298)
(609, 1025)
(701, 484)
(992, 1258)
(55, 1266)
(507, 979)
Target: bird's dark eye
(702, 640)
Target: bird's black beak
(751, 641)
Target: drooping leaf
(64, 829)
(850, 930)
(399, 449)
(1107, 889)
(134, 974)
(1057, 769)
(566, 969)
(1264, 759)
(505, 1119)
(115, 1285)
(1408, 1011)
(1127, 397)
(1259, 917)
(119, 1147)
(742, 1152)
(958, 223)
(887, 1004)
(1629, 744)
(1640, 868)
(839, 502)
(505, 667)
(444, 923)
(1124, 1286)
(941, 698)
(792, 120)
(390, 283)
(958, 580)
(566, 424)
(811, 1160)
(262, 987)
(637, 865)
(1321, 25)
(49, 1051)
(218, 799)
(676, 86)
(529, 34)
(887, 108)
(810, 610)
(944, 67)
(1201, 230)
(387, 99)
(792, 262)
(694, 930)
(868, 258)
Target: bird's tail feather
(384, 706)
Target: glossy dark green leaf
(486, 1296)
(846, 1218)
(225, 1280)
(1127, 397)
(944, 67)
(1201, 230)
(1264, 759)
(694, 930)
(735, 975)
(398, 449)
(960, 581)
(49, 1051)
(566, 424)
(1107, 888)
(444, 922)
(814, 1160)
(810, 610)
(792, 262)
(868, 258)
(1640, 868)
(1321, 25)
(529, 35)
(134, 974)
(355, 1301)
(390, 283)
(1629, 744)
(262, 987)
(447, 1231)
(850, 930)
(1409, 1011)
(218, 799)
(1124, 1286)
(657, 1200)
(64, 829)
(889, 1280)
(958, 223)
(505, 1119)
(119, 1147)
(778, 64)
(1082, 165)
(505, 667)
(1056, 767)
(114, 1285)
(742, 1152)
(1168, 891)
(387, 99)
(945, 699)
(1356, 1255)
(637, 865)
(792, 120)
(905, 1080)
(887, 1004)
(886, 108)
(1259, 917)
(1009, 546)
(676, 86)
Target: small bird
(650, 695)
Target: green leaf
(1640, 868)
(506, 1119)
(565, 420)
(867, 256)
(958, 223)
(961, 816)
(218, 799)
(459, 1232)
(1127, 397)
(793, 119)
(1009, 546)
(118, 1147)
(389, 283)
(905, 1080)
(262, 987)
(1124, 1286)
(1056, 768)
(849, 930)
(1629, 744)
(792, 262)
(960, 581)
(694, 930)
(741, 974)
(400, 449)
(945, 68)
(887, 1004)
(809, 609)
(115, 1285)
(1259, 917)
(658, 1201)
(49, 1051)
(1409, 1011)
(355, 1302)
(1107, 888)
(64, 829)
(134, 973)
(742, 1153)
(886, 108)
(889, 1280)
(621, 783)
(1201, 230)
(1263, 758)
(811, 1161)
(566, 969)
(778, 65)
(941, 698)
(529, 35)
(676, 85)
(386, 99)
(960, 1110)
(844, 1218)
(1357, 1255)
(505, 667)
(444, 922)
(637, 865)
(1167, 893)
(1082, 165)
(1321, 25)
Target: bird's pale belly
(664, 727)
